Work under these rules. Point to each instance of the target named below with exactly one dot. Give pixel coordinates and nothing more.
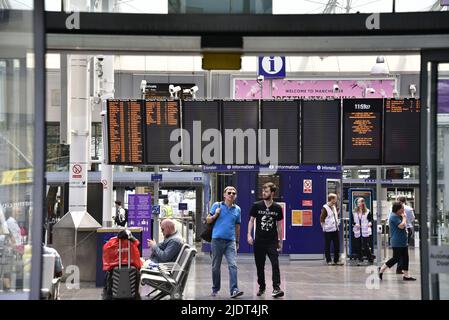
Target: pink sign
(313, 89)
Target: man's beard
(267, 198)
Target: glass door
(435, 175)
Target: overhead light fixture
(380, 68)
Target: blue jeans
(219, 248)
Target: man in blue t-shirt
(398, 233)
(225, 239)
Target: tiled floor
(301, 280)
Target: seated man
(167, 250)
(58, 262)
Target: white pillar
(80, 133)
(106, 91)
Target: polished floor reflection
(301, 280)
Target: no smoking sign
(307, 186)
(77, 170)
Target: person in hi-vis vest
(166, 210)
(362, 222)
(330, 222)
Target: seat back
(187, 269)
(178, 258)
(180, 271)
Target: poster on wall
(302, 218)
(312, 88)
(139, 215)
(296, 218)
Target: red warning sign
(307, 186)
(307, 203)
(77, 169)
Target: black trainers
(236, 293)
(408, 279)
(277, 293)
(379, 273)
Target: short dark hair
(401, 199)
(396, 206)
(166, 201)
(271, 186)
(118, 202)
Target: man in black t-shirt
(268, 239)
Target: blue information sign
(272, 67)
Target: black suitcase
(125, 280)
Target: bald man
(167, 250)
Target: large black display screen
(124, 121)
(161, 118)
(402, 131)
(239, 143)
(320, 132)
(362, 131)
(197, 117)
(282, 116)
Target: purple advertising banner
(443, 96)
(314, 89)
(139, 215)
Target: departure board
(161, 118)
(320, 131)
(402, 131)
(362, 131)
(125, 131)
(206, 115)
(237, 117)
(282, 116)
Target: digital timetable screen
(402, 131)
(161, 118)
(282, 116)
(240, 115)
(203, 115)
(125, 131)
(362, 131)
(320, 132)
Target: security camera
(174, 91)
(370, 90)
(336, 88)
(412, 89)
(143, 85)
(194, 89)
(260, 79)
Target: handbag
(206, 235)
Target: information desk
(103, 236)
